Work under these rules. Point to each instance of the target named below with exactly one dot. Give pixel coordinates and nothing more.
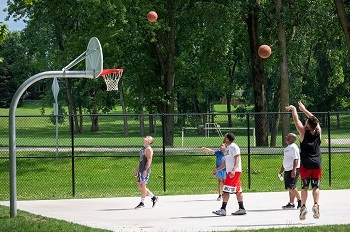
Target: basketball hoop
(111, 77)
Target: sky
(12, 25)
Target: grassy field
(30, 121)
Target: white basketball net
(112, 80)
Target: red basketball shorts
(233, 184)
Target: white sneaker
(303, 212)
(220, 212)
(240, 212)
(316, 211)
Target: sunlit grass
(34, 223)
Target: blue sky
(13, 26)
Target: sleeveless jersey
(310, 151)
(143, 160)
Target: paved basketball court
(191, 212)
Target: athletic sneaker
(316, 211)
(288, 206)
(219, 198)
(220, 212)
(141, 205)
(154, 200)
(303, 212)
(299, 204)
(239, 212)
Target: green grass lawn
(34, 223)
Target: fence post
(71, 117)
(329, 149)
(248, 126)
(163, 141)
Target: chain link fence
(97, 154)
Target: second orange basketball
(264, 51)
(152, 16)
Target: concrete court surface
(191, 212)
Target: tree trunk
(284, 82)
(229, 92)
(152, 124)
(141, 117)
(71, 105)
(195, 102)
(201, 119)
(170, 78)
(81, 118)
(276, 119)
(258, 75)
(94, 121)
(122, 100)
(344, 21)
(228, 107)
(338, 121)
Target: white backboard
(94, 58)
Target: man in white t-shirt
(232, 184)
(290, 166)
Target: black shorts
(290, 182)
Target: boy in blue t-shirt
(220, 158)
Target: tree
(195, 54)
(257, 68)
(3, 31)
(165, 51)
(14, 68)
(64, 28)
(343, 17)
(283, 91)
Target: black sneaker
(299, 204)
(288, 206)
(141, 205)
(154, 200)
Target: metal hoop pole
(12, 124)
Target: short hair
(150, 138)
(313, 122)
(230, 137)
(292, 136)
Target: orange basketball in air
(264, 51)
(152, 16)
